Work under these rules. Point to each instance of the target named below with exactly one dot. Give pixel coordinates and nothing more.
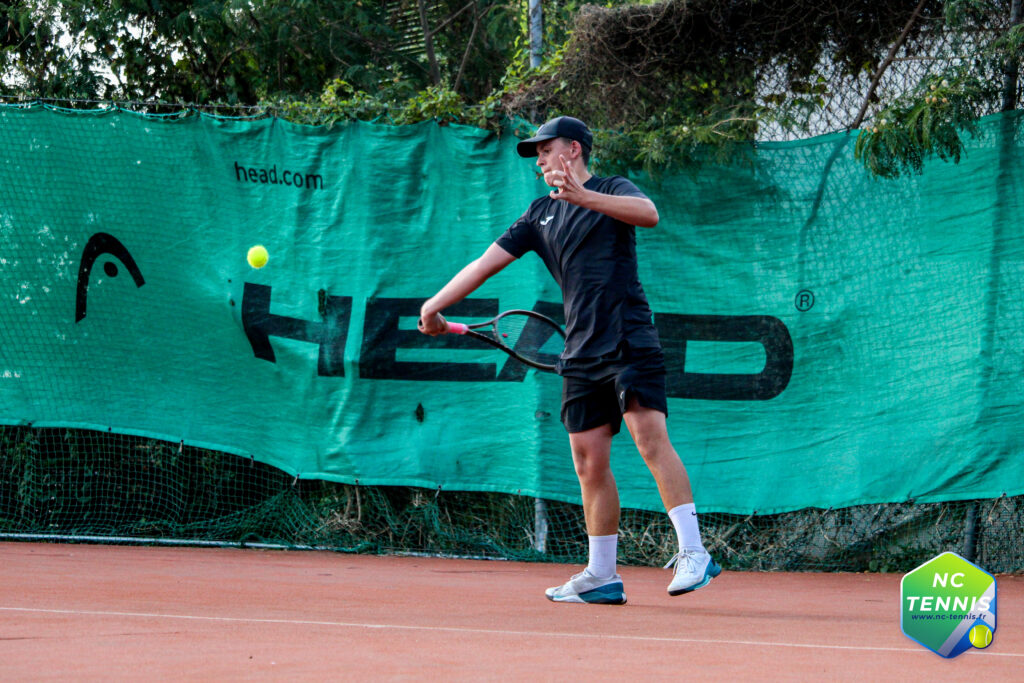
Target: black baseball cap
(562, 127)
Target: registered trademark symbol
(804, 300)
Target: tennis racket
(527, 336)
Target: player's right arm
(459, 287)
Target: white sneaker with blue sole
(585, 587)
(693, 569)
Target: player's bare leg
(591, 455)
(694, 567)
(598, 583)
(650, 433)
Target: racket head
(530, 337)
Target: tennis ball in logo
(980, 636)
(944, 600)
(257, 256)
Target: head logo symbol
(99, 244)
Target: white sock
(603, 551)
(684, 519)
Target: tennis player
(612, 368)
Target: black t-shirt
(593, 259)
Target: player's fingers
(567, 167)
(429, 326)
(571, 182)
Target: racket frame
(494, 338)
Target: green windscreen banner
(832, 339)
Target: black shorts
(596, 391)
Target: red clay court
(81, 612)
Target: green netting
(833, 341)
(64, 484)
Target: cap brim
(528, 148)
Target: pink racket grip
(457, 328)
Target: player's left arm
(465, 282)
(638, 211)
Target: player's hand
(433, 325)
(569, 187)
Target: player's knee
(590, 467)
(654, 447)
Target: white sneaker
(693, 569)
(585, 587)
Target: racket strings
(530, 337)
(509, 328)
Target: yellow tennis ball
(257, 256)
(980, 636)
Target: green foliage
(663, 83)
(931, 119)
(928, 122)
(675, 76)
(437, 103)
(1009, 45)
(341, 101)
(246, 52)
(664, 146)
(34, 58)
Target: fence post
(540, 525)
(971, 531)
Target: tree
(38, 56)
(671, 80)
(245, 52)
(663, 82)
